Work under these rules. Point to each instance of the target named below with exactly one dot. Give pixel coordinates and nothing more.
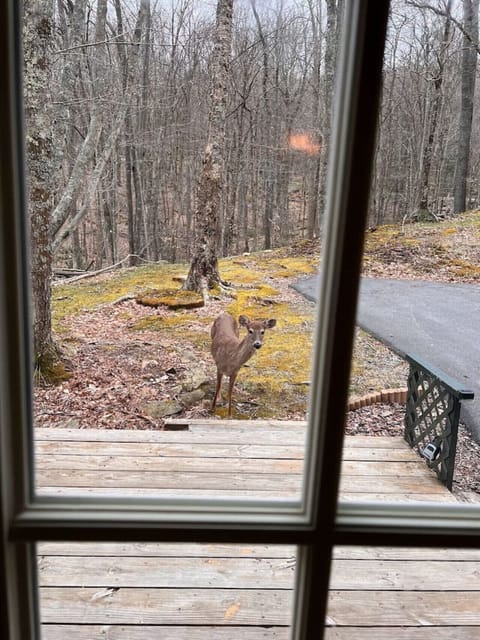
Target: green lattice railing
(432, 415)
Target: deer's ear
(243, 321)
(270, 323)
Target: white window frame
(315, 524)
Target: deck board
(146, 591)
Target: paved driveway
(438, 322)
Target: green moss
(239, 271)
(148, 323)
(50, 369)
(427, 247)
(291, 267)
(465, 269)
(469, 218)
(449, 231)
(256, 267)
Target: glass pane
(123, 395)
(412, 426)
(399, 593)
(177, 591)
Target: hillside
(448, 251)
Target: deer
(229, 352)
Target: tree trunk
(38, 48)
(130, 214)
(469, 68)
(130, 67)
(265, 139)
(334, 20)
(243, 212)
(313, 177)
(74, 72)
(268, 211)
(423, 207)
(204, 265)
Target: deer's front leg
(231, 382)
(217, 390)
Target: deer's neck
(245, 351)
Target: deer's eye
(262, 332)
(250, 331)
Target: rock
(196, 380)
(72, 423)
(190, 398)
(162, 408)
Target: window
(316, 523)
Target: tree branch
(446, 14)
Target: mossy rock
(190, 398)
(423, 215)
(173, 299)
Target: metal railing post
(432, 415)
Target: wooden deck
(229, 592)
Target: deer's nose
(257, 344)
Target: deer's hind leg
(217, 390)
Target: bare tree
(133, 157)
(38, 39)
(204, 264)
(315, 11)
(435, 98)
(416, 141)
(334, 21)
(469, 72)
(73, 75)
(85, 155)
(139, 111)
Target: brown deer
(229, 352)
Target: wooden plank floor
(219, 592)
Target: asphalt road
(437, 322)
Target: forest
(156, 127)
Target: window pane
(132, 369)
(159, 590)
(412, 429)
(386, 592)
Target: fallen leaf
(105, 593)
(232, 610)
